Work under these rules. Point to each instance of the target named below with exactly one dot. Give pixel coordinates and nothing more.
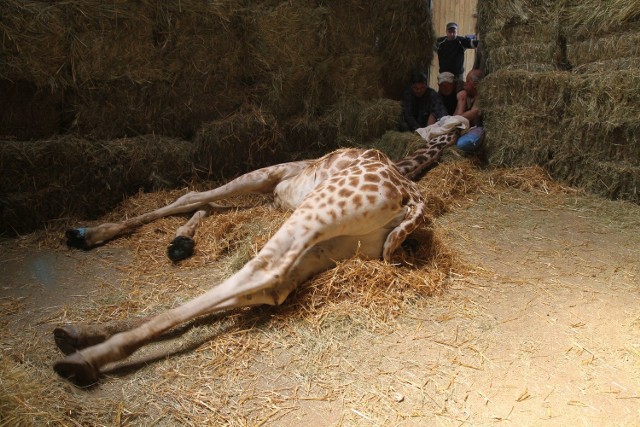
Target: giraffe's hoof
(180, 248)
(76, 238)
(77, 370)
(70, 339)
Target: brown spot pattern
(345, 192)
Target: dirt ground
(542, 330)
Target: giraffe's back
(290, 193)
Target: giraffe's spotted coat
(351, 201)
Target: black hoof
(180, 248)
(67, 339)
(77, 370)
(75, 238)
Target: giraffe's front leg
(182, 246)
(88, 237)
(259, 181)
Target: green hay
(357, 122)
(611, 47)
(131, 68)
(545, 93)
(506, 15)
(581, 127)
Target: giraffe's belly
(290, 193)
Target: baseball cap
(445, 77)
(452, 25)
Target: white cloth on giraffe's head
(445, 125)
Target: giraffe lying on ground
(349, 202)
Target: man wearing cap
(447, 91)
(421, 105)
(450, 49)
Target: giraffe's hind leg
(77, 369)
(72, 337)
(83, 369)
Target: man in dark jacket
(450, 51)
(421, 105)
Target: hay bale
(497, 15)
(596, 98)
(118, 108)
(129, 68)
(238, 143)
(111, 41)
(529, 47)
(614, 180)
(520, 35)
(586, 19)
(516, 136)
(34, 113)
(288, 74)
(34, 43)
(572, 124)
(357, 121)
(236, 77)
(607, 50)
(397, 145)
(567, 107)
(51, 180)
(601, 36)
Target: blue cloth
(470, 141)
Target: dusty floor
(544, 330)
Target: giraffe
(349, 202)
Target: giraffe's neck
(415, 164)
(439, 136)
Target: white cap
(445, 77)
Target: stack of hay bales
(235, 84)
(69, 176)
(561, 87)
